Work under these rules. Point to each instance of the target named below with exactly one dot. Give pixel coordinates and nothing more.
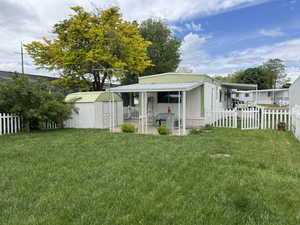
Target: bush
(128, 128)
(208, 127)
(36, 102)
(195, 131)
(163, 130)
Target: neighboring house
(267, 96)
(190, 97)
(295, 93)
(31, 77)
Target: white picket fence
(227, 118)
(9, 124)
(252, 118)
(270, 118)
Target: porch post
(184, 113)
(113, 111)
(142, 112)
(179, 109)
(146, 112)
(110, 112)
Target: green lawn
(95, 177)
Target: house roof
(239, 86)
(32, 77)
(157, 87)
(176, 78)
(92, 96)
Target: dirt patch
(220, 156)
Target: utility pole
(22, 57)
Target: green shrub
(195, 131)
(36, 102)
(128, 128)
(163, 130)
(208, 127)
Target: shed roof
(92, 96)
(157, 87)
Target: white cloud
(201, 62)
(191, 49)
(30, 20)
(189, 27)
(193, 27)
(175, 28)
(272, 33)
(178, 9)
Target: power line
(22, 57)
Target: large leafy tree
(256, 75)
(35, 102)
(92, 46)
(165, 49)
(278, 76)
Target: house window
(167, 97)
(237, 95)
(269, 93)
(220, 96)
(247, 95)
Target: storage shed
(94, 109)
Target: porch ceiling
(157, 87)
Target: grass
(95, 177)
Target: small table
(160, 117)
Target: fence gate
(250, 119)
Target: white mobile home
(189, 98)
(295, 93)
(94, 109)
(267, 96)
(295, 106)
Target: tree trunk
(103, 81)
(99, 82)
(96, 82)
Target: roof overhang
(264, 90)
(156, 87)
(240, 86)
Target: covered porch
(177, 105)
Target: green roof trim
(92, 96)
(176, 78)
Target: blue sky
(230, 33)
(219, 36)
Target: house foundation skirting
(195, 123)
